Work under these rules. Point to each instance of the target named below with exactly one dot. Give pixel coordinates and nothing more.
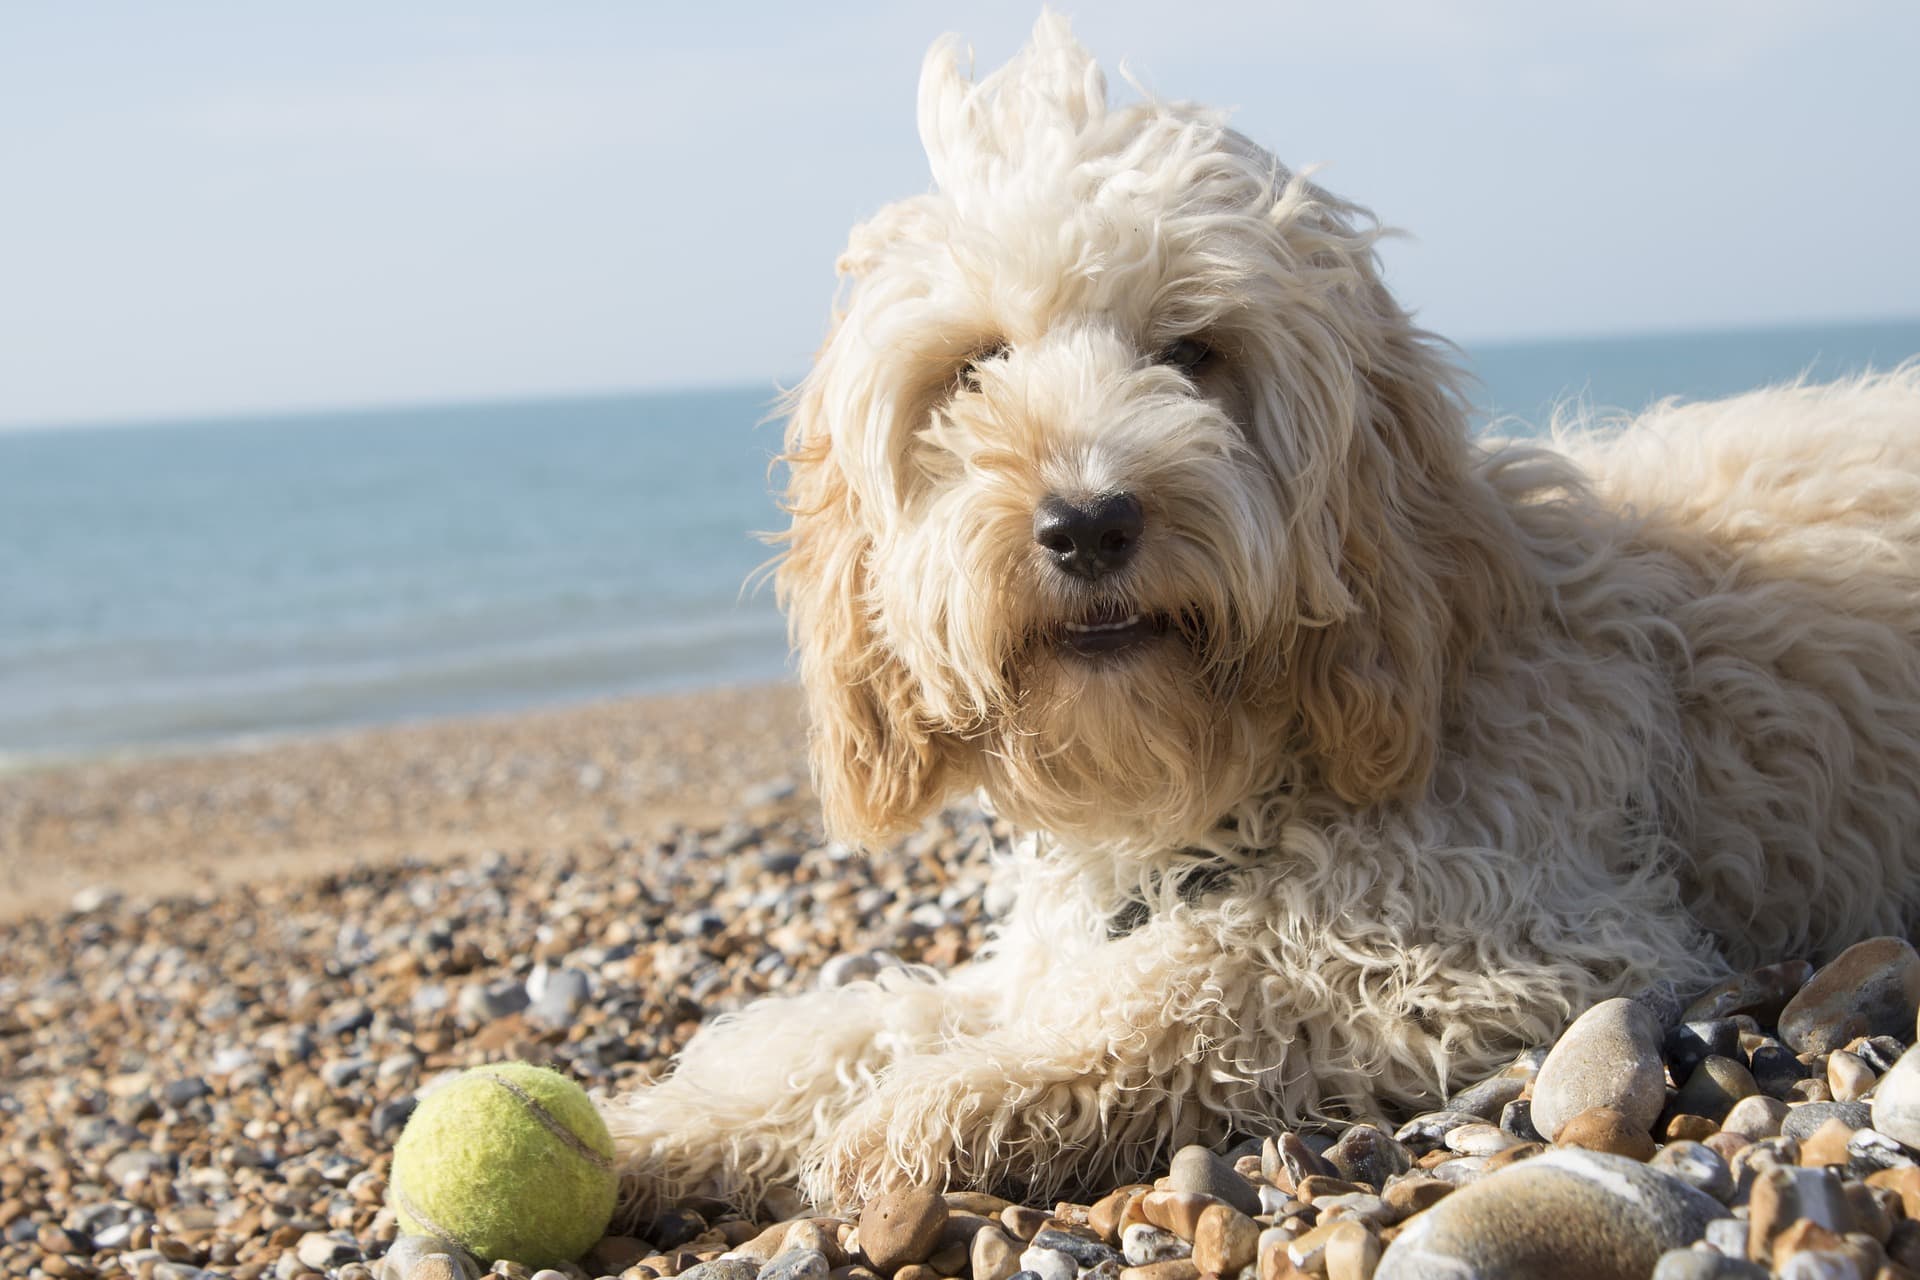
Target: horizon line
(774, 385)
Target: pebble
(1225, 1240)
(1895, 1108)
(1697, 1264)
(1607, 1130)
(1870, 989)
(1699, 1166)
(795, 1264)
(1143, 1243)
(1714, 1086)
(1755, 1117)
(1761, 992)
(902, 1227)
(1564, 1213)
(1801, 1122)
(1367, 1154)
(994, 1254)
(1048, 1264)
(1196, 1169)
(1609, 1057)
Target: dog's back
(1786, 525)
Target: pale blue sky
(229, 207)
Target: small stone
(1783, 1195)
(1516, 1118)
(320, 1252)
(1775, 1069)
(1352, 1254)
(1144, 1244)
(560, 997)
(1564, 1213)
(1870, 1151)
(723, 1269)
(795, 1264)
(1713, 1087)
(1196, 1169)
(1085, 1252)
(1697, 1165)
(1685, 1128)
(901, 1227)
(1606, 1129)
(1024, 1222)
(1848, 1076)
(1105, 1214)
(1361, 1206)
(1049, 1264)
(1488, 1098)
(1827, 1145)
(1369, 1155)
(1761, 992)
(1225, 1240)
(408, 1252)
(1479, 1140)
(1416, 1194)
(1801, 1121)
(1176, 1211)
(1428, 1131)
(1173, 1269)
(1609, 1057)
(1872, 988)
(1697, 1264)
(1896, 1101)
(1755, 1117)
(1689, 1044)
(995, 1254)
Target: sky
(222, 208)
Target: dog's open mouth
(1111, 630)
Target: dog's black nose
(1091, 538)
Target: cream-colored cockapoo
(1358, 754)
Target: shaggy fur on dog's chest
(1356, 753)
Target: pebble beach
(226, 978)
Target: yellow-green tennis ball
(507, 1161)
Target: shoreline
(152, 822)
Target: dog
(1357, 753)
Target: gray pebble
(1609, 1057)
(1697, 1264)
(1143, 1244)
(481, 1003)
(1567, 1212)
(1194, 1168)
(1428, 1130)
(408, 1252)
(1369, 1155)
(796, 1264)
(1487, 1098)
(723, 1269)
(1516, 1118)
(1729, 1236)
(1818, 1265)
(324, 1252)
(1691, 1043)
(1084, 1252)
(1869, 1151)
(561, 997)
(1697, 1165)
(1802, 1120)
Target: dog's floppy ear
(1420, 558)
(878, 767)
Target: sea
(181, 584)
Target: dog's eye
(1188, 355)
(970, 371)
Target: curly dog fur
(1415, 745)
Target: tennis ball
(506, 1161)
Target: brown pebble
(818, 1234)
(1104, 1216)
(853, 1271)
(1176, 1211)
(1514, 1155)
(1173, 1269)
(1690, 1128)
(1726, 1145)
(1316, 1186)
(1352, 1253)
(1608, 1130)
(901, 1227)
(976, 1202)
(1023, 1221)
(1800, 1237)
(1809, 1090)
(1826, 1145)
(917, 1271)
(1848, 1076)
(1224, 1240)
(1415, 1194)
(995, 1254)
(1903, 1182)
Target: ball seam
(551, 1122)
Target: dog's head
(1121, 486)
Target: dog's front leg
(756, 1094)
(1095, 1063)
